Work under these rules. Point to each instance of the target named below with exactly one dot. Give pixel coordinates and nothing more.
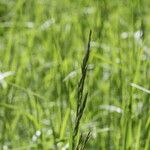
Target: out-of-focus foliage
(43, 43)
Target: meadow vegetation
(49, 62)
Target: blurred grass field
(42, 44)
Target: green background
(43, 42)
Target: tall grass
(43, 43)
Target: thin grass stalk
(81, 102)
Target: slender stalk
(81, 100)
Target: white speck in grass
(111, 108)
(95, 44)
(106, 129)
(65, 147)
(140, 88)
(47, 24)
(96, 131)
(91, 66)
(5, 147)
(70, 75)
(49, 132)
(138, 35)
(7, 24)
(138, 109)
(106, 75)
(6, 74)
(117, 60)
(124, 35)
(34, 138)
(46, 122)
(29, 24)
(38, 133)
(89, 10)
